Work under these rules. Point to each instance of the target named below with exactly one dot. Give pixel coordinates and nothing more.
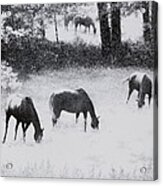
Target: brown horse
(85, 21)
(143, 84)
(23, 110)
(77, 102)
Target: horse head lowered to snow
(23, 110)
(77, 102)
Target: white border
(63, 182)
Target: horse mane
(29, 102)
(51, 101)
(92, 109)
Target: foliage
(25, 47)
(9, 78)
(135, 54)
(33, 54)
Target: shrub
(135, 54)
(9, 79)
(28, 54)
(32, 54)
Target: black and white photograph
(79, 90)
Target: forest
(26, 48)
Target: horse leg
(56, 115)
(85, 29)
(67, 26)
(129, 94)
(85, 121)
(25, 127)
(149, 99)
(16, 129)
(77, 116)
(6, 129)
(76, 26)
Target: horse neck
(92, 111)
(36, 122)
(141, 96)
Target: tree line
(31, 20)
(111, 34)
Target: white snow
(121, 149)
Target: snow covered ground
(121, 149)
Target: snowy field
(121, 149)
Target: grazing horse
(68, 18)
(23, 110)
(85, 21)
(142, 83)
(76, 101)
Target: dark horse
(23, 110)
(85, 21)
(76, 101)
(142, 83)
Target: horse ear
(137, 100)
(43, 129)
(98, 117)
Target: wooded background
(26, 48)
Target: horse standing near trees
(85, 21)
(143, 84)
(23, 110)
(74, 102)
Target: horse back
(21, 108)
(146, 85)
(71, 101)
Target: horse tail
(94, 27)
(51, 101)
(125, 80)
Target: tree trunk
(104, 29)
(56, 28)
(42, 29)
(154, 33)
(116, 27)
(146, 22)
(32, 24)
